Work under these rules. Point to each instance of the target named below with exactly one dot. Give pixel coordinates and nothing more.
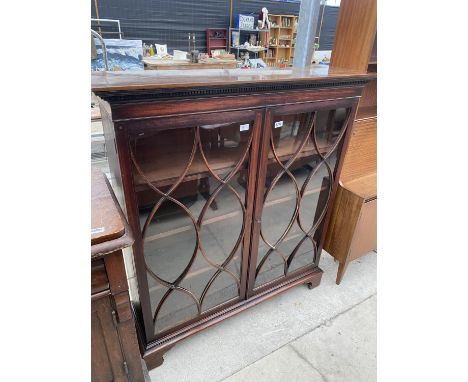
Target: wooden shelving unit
(222, 162)
(243, 36)
(216, 38)
(281, 40)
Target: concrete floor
(325, 334)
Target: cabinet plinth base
(153, 352)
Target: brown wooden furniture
(355, 34)
(352, 230)
(216, 38)
(115, 354)
(227, 180)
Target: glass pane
(301, 167)
(191, 189)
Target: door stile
(123, 149)
(252, 185)
(258, 204)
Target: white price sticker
(278, 124)
(244, 127)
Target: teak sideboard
(227, 178)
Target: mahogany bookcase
(227, 179)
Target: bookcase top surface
(128, 81)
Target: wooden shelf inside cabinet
(160, 174)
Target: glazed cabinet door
(299, 159)
(193, 178)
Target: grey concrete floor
(325, 334)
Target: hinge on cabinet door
(114, 318)
(125, 367)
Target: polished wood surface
(365, 231)
(109, 228)
(106, 221)
(153, 79)
(355, 33)
(342, 224)
(365, 186)
(352, 231)
(368, 100)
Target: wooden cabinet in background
(352, 230)
(216, 38)
(115, 354)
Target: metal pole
(104, 49)
(97, 15)
(230, 25)
(306, 28)
(109, 21)
(120, 31)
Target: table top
(109, 229)
(129, 81)
(106, 221)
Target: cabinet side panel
(345, 215)
(111, 151)
(116, 182)
(105, 339)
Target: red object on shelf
(216, 38)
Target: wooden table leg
(341, 271)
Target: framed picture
(121, 55)
(161, 50)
